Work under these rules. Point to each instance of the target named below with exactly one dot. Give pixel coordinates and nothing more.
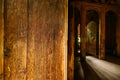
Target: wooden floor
(95, 69)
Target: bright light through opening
(104, 69)
(79, 40)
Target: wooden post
(83, 34)
(102, 35)
(71, 42)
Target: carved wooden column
(102, 35)
(83, 34)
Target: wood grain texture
(15, 39)
(35, 39)
(47, 29)
(32, 20)
(1, 38)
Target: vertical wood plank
(33, 14)
(47, 30)
(65, 41)
(1, 38)
(15, 39)
(47, 42)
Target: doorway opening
(92, 33)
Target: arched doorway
(110, 33)
(92, 36)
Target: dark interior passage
(94, 39)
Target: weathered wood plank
(47, 30)
(15, 39)
(43, 43)
(1, 38)
(32, 20)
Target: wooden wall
(35, 39)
